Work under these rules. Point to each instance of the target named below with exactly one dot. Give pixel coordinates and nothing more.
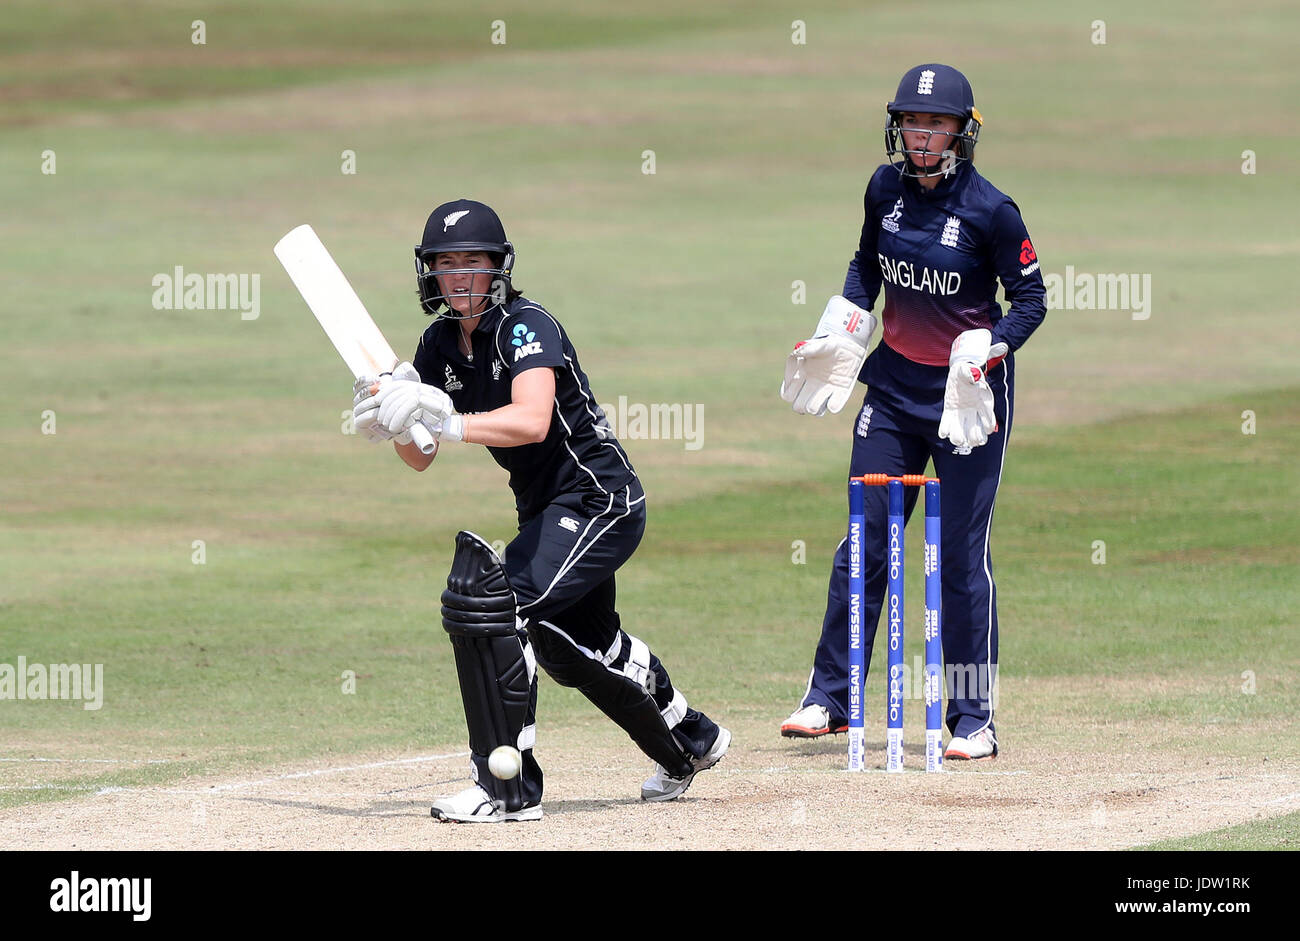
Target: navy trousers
(898, 434)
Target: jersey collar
(488, 321)
(448, 337)
(945, 187)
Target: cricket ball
(504, 762)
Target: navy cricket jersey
(580, 452)
(939, 254)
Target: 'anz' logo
(524, 341)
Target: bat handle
(421, 438)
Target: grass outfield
(238, 662)
(1281, 833)
(325, 556)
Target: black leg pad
(478, 613)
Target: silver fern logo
(453, 217)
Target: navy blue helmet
(933, 89)
(463, 225)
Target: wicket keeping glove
(968, 418)
(820, 372)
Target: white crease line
(1283, 799)
(313, 795)
(96, 761)
(320, 771)
(941, 774)
(786, 769)
(231, 787)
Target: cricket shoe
(475, 805)
(810, 722)
(662, 786)
(974, 747)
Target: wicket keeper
(938, 238)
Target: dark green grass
(62, 58)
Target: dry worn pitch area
(767, 794)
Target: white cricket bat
(341, 313)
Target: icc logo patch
(890, 222)
(524, 342)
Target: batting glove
(365, 410)
(968, 418)
(821, 371)
(403, 402)
(365, 405)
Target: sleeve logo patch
(1028, 258)
(524, 341)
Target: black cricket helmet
(463, 225)
(933, 89)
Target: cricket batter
(496, 369)
(938, 238)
